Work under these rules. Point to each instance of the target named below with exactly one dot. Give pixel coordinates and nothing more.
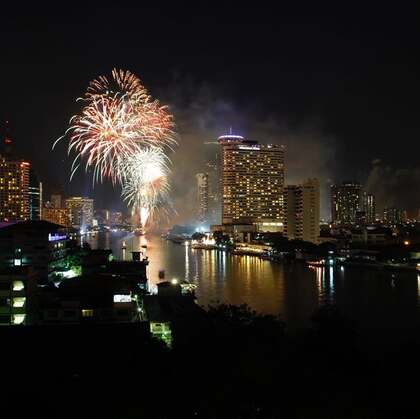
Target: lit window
(18, 318)
(19, 301)
(87, 313)
(18, 262)
(18, 285)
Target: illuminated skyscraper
(35, 196)
(60, 216)
(81, 211)
(202, 196)
(369, 207)
(346, 202)
(14, 189)
(301, 211)
(212, 165)
(252, 181)
(393, 216)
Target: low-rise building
(97, 298)
(17, 294)
(39, 244)
(370, 235)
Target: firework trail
(145, 182)
(122, 134)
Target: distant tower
(301, 211)
(35, 196)
(14, 189)
(369, 207)
(346, 202)
(81, 211)
(202, 196)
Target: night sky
(338, 86)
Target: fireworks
(145, 182)
(121, 134)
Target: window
(19, 301)
(4, 319)
(69, 313)
(87, 313)
(18, 285)
(18, 318)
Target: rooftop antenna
(7, 141)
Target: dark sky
(339, 85)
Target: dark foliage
(233, 363)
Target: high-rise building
(369, 207)
(393, 216)
(252, 181)
(202, 196)
(115, 217)
(56, 200)
(81, 211)
(213, 170)
(302, 211)
(60, 216)
(345, 203)
(35, 196)
(14, 189)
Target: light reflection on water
(294, 291)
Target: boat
(205, 246)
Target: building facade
(38, 244)
(213, 169)
(369, 207)
(60, 216)
(14, 190)
(346, 202)
(202, 198)
(393, 216)
(252, 181)
(34, 196)
(17, 291)
(56, 200)
(81, 211)
(302, 211)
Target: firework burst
(118, 119)
(145, 182)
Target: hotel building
(252, 182)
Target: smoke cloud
(202, 115)
(394, 187)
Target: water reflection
(293, 291)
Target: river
(294, 291)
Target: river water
(374, 299)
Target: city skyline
(332, 110)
